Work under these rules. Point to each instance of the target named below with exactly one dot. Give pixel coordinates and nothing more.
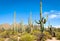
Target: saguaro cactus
(22, 26)
(42, 20)
(14, 22)
(51, 30)
(15, 28)
(30, 22)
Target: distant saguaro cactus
(42, 20)
(15, 28)
(51, 30)
(14, 22)
(22, 26)
(30, 22)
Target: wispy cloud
(53, 14)
(57, 26)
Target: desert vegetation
(30, 32)
(28, 35)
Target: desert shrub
(2, 39)
(14, 37)
(10, 32)
(47, 35)
(8, 39)
(43, 36)
(58, 35)
(27, 37)
(3, 34)
(6, 34)
(58, 29)
(35, 32)
(28, 29)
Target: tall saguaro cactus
(30, 22)
(14, 22)
(15, 28)
(42, 20)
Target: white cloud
(52, 11)
(57, 26)
(46, 12)
(53, 14)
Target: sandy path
(6, 39)
(53, 39)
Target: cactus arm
(37, 22)
(46, 17)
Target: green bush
(28, 29)
(44, 36)
(2, 39)
(36, 32)
(58, 35)
(27, 37)
(47, 35)
(3, 34)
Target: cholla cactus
(42, 20)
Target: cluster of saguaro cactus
(42, 20)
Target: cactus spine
(42, 20)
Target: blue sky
(24, 7)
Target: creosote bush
(47, 35)
(58, 35)
(27, 37)
(2, 39)
(35, 32)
